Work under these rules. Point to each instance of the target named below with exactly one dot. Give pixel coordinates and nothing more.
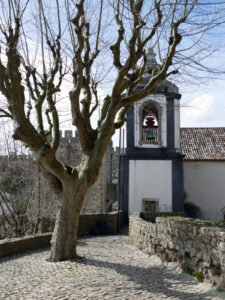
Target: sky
(201, 105)
(204, 107)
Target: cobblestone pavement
(111, 268)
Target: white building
(166, 168)
(204, 171)
(153, 163)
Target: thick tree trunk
(64, 239)
(71, 198)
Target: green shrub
(214, 223)
(199, 276)
(151, 216)
(188, 270)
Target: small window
(150, 205)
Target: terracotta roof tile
(203, 143)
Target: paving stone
(111, 268)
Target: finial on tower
(151, 60)
(150, 52)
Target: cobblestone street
(111, 268)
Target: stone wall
(189, 242)
(17, 245)
(31, 242)
(99, 194)
(87, 221)
(113, 219)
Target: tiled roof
(203, 143)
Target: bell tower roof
(165, 86)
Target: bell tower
(153, 164)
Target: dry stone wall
(189, 242)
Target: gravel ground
(109, 268)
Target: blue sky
(201, 105)
(205, 106)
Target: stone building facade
(103, 193)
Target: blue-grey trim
(125, 189)
(163, 91)
(130, 127)
(170, 122)
(178, 194)
(152, 153)
(173, 95)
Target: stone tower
(103, 193)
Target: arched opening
(150, 124)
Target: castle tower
(152, 164)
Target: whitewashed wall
(150, 179)
(204, 184)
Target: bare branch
(5, 114)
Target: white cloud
(198, 106)
(206, 110)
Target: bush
(215, 223)
(199, 276)
(188, 270)
(151, 216)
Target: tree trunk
(64, 239)
(71, 198)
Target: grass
(188, 270)
(197, 274)
(215, 223)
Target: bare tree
(19, 187)
(31, 77)
(27, 206)
(15, 194)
